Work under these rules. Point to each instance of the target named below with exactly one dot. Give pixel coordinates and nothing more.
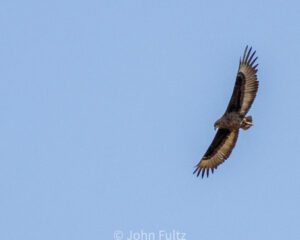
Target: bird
(234, 118)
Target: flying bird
(234, 118)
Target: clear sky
(107, 106)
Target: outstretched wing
(246, 84)
(218, 151)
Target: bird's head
(217, 124)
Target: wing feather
(218, 151)
(246, 84)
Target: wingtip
(248, 54)
(244, 55)
(249, 57)
(197, 171)
(203, 171)
(253, 61)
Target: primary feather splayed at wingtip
(202, 170)
(248, 60)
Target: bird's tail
(246, 123)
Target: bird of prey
(234, 118)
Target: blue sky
(107, 106)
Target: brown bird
(234, 118)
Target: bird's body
(231, 121)
(234, 118)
